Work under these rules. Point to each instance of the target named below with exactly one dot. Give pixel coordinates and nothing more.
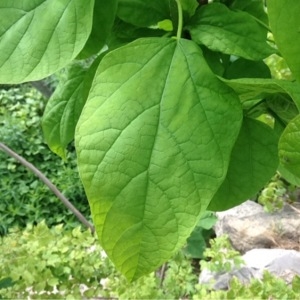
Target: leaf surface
(253, 162)
(39, 37)
(153, 148)
(285, 24)
(289, 147)
(231, 32)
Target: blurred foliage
(24, 198)
(57, 263)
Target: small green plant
(221, 257)
(41, 262)
(274, 194)
(269, 287)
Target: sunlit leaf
(39, 37)
(153, 148)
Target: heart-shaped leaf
(153, 148)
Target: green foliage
(269, 287)
(273, 195)
(24, 198)
(54, 263)
(197, 241)
(162, 133)
(222, 257)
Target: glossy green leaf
(65, 105)
(39, 37)
(103, 20)
(249, 89)
(153, 148)
(285, 24)
(143, 13)
(289, 147)
(231, 32)
(253, 162)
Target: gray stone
(249, 227)
(282, 263)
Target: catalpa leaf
(285, 24)
(253, 162)
(231, 32)
(289, 147)
(252, 88)
(143, 13)
(153, 148)
(65, 105)
(39, 37)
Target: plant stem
(180, 20)
(50, 185)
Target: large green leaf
(153, 147)
(143, 13)
(289, 147)
(103, 20)
(65, 105)
(285, 24)
(231, 32)
(254, 161)
(252, 88)
(39, 37)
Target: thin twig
(50, 185)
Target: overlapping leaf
(39, 37)
(253, 162)
(65, 105)
(153, 148)
(285, 24)
(231, 32)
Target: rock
(282, 263)
(249, 227)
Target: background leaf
(39, 37)
(231, 32)
(253, 88)
(153, 148)
(253, 162)
(103, 20)
(289, 147)
(65, 105)
(285, 24)
(143, 13)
